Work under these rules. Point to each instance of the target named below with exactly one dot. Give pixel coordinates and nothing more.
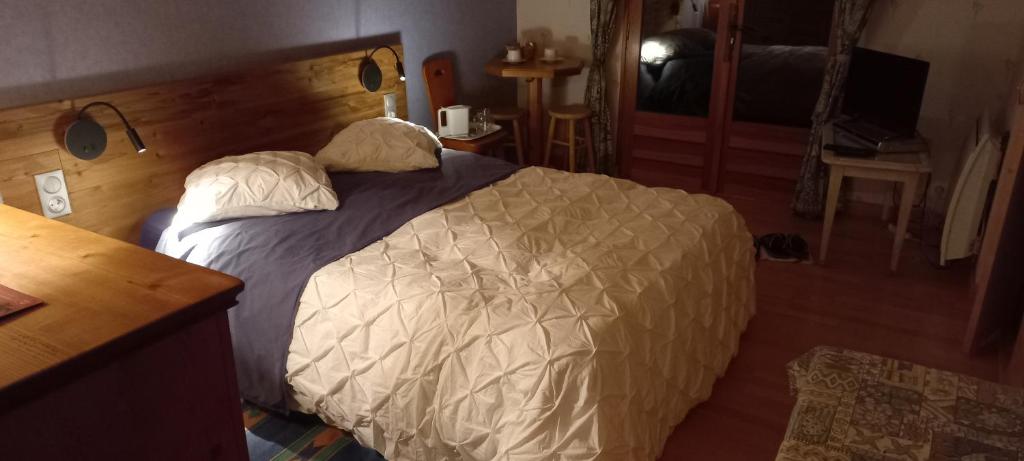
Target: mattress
(154, 226)
(550, 315)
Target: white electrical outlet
(53, 194)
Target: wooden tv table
(129, 357)
(907, 169)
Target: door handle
(734, 27)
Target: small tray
(491, 129)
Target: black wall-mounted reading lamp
(87, 139)
(369, 72)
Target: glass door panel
(677, 57)
(783, 47)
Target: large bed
(482, 311)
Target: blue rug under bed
(273, 437)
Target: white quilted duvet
(549, 316)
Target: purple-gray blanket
(275, 256)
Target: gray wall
(55, 49)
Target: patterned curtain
(851, 16)
(602, 24)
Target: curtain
(602, 26)
(849, 20)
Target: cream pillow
(257, 184)
(381, 144)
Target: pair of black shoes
(782, 247)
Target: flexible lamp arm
(107, 104)
(398, 61)
(133, 136)
(392, 50)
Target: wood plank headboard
(292, 106)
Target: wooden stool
(572, 114)
(514, 115)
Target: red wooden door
(763, 62)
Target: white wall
(564, 25)
(974, 48)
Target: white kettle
(453, 121)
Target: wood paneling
(17, 177)
(667, 151)
(291, 106)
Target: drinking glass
(481, 120)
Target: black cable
(923, 245)
(107, 104)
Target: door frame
(996, 294)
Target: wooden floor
(918, 314)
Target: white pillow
(257, 184)
(381, 144)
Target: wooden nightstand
(907, 169)
(129, 357)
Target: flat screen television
(885, 91)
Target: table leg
(536, 110)
(835, 181)
(906, 205)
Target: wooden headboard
(292, 106)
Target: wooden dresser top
(103, 297)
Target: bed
(482, 311)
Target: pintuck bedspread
(548, 316)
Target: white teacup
(550, 54)
(514, 55)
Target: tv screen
(885, 90)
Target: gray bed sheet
(275, 256)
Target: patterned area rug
(853, 406)
(272, 437)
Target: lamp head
(133, 136)
(369, 72)
(400, 69)
(85, 139)
(370, 75)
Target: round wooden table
(535, 72)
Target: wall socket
(53, 194)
